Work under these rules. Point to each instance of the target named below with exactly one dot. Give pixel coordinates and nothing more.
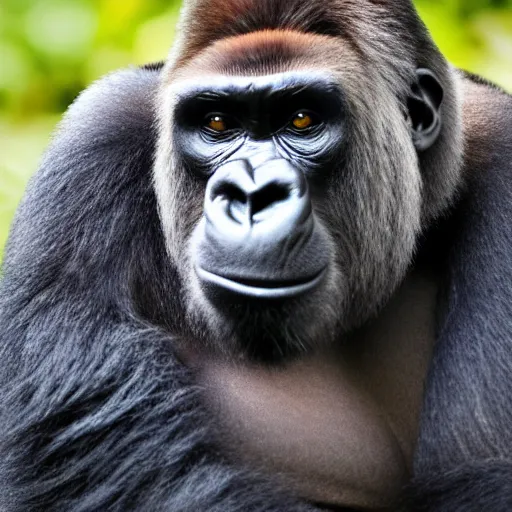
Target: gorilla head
(296, 169)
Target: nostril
(235, 202)
(267, 196)
(230, 192)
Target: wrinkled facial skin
(259, 238)
(295, 208)
(260, 256)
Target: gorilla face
(263, 149)
(258, 144)
(290, 202)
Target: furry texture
(97, 411)
(465, 439)
(377, 201)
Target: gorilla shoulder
(118, 107)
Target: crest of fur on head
(372, 48)
(387, 34)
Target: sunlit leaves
(61, 29)
(473, 34)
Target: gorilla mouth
(262, 288)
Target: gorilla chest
(338, 427)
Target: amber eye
(217, 123)
(302, 120)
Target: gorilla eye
(303, 121)
(217, 123)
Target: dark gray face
(268, 263)
(259, 149)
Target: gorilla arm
(97, 413)
(464, 456)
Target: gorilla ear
(423, 104)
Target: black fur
(96, 411)
(464, 453)
(473, 487)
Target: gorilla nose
(259, 237)
(241, 199)
(251, 205)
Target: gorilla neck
(339, 425)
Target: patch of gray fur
(379, 202)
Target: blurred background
(51, 49)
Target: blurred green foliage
(51, 49)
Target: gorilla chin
(266, 321)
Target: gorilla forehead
(362, 26)
(265, 52)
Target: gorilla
(271, 274)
